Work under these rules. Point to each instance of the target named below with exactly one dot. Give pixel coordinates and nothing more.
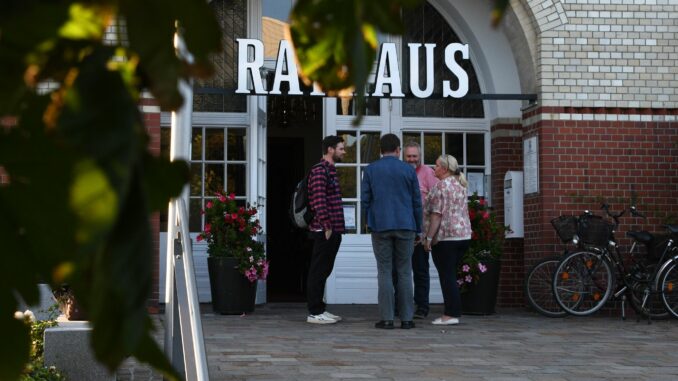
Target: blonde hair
(451, 164)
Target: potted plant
(235, 259)
(478, 273)
(68, 304)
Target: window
(218, 163)
(216, 94)
(362, 148)
(467, 147)
(425, 25)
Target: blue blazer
(390, 196)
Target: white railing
(184, 343)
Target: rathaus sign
(387, 75)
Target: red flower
(209, 205)
(208, 228)
(199, 238)
(221, 197)
(231, 196)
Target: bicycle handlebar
(615, 216)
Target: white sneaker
(332, 316)
(320, 319)
(450, 321)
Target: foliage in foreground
(82, 183)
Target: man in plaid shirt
(326, 227)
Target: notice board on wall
(531, 165)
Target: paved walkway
(275, 343)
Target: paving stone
(275, 343)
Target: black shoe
(384, 324)
(407, 325)
(420, 314)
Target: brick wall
(602, 53)
(151, 115)
(507, 155)
(588, 156)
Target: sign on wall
(531, 165)
(388, 81)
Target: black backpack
(300, 210)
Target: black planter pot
(232, 293)
(480, 298)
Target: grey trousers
(394, 247)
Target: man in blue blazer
(392, 203)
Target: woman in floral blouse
(448, 232)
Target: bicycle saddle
(641, 236)
(672, 228)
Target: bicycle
(584, 280)
(538, 283)
(669, 277)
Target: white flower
(29, 314)
(19, 315)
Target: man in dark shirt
(326, 227)
(392, 202)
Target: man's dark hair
(389, 143)
(331, 141)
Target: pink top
(449, 199)
(427, 180)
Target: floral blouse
(450, 199)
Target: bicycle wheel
(583, 282)
(639, 291)
(669, 287)
(539, 288)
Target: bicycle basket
(594, 230)
(566, 227)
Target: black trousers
(446, 256)
(322, 263)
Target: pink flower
(231, 196)
(234, 216)
(251, 258)
(482, 267)
(486, 215)
(460, 282)
(199, 238)
(465, 268)
(468, 279)
(209, 205)
(208, 228)
(222, 198)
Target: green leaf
(23, 26)
(152, 38)
(163, 180)
(149, 352)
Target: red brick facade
(507, 155)
(586, 156)
(152, 121)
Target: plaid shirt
(325, 198)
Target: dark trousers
(421, 277)
(322, 263)
(446, 256)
